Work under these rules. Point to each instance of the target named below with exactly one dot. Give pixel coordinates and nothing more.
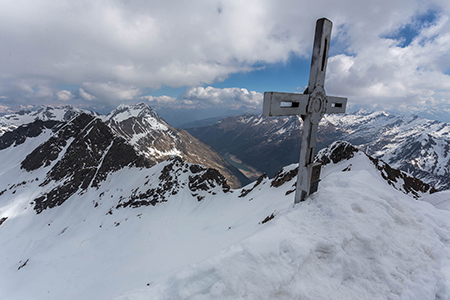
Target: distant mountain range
(415, 145)
(140, 129)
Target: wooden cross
(311, 105)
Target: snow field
(357, 238)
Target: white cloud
(84, 95)
(385, 75)
(109, 92)
(64, 95)
(158, 100)
(223, 97)
(113, 50)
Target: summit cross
(311, 105)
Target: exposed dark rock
(348, 168)
(170, 183)
(152, 137)
(289, 192)
(196, 169)
(207, 180)
(283, 176)
(410, 185)
(23, 265)
(2, 220)
(49, 151)
(20, 134)
(119, 155)
(245, 192)
(93, 153)
(268, 218)
(336, 152)
(339, 151)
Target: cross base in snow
(311, 105)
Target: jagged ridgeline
(81, 153)
(154, 138)
(78, 150)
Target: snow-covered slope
(176, 231)
(355, 239)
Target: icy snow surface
(357, 238)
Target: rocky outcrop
(175, 176)
(336, 152)
(245, 192)
(343, 151)
(84, 152)
(19, 135)
(283, 176)
(340, 151)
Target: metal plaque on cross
(311, 105)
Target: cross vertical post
(311, 105)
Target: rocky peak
(80, 154)
(141, 112)
(152, 137)
(336, 152)
(341, 151)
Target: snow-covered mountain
(138, 125)
(154, 138)
(177, 231)
(415, 145)
(48, 113)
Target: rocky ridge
(139, 125)
(76, 156)
(341, 151)
(154, 138)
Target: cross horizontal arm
(284, 104)
(336, 105)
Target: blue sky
(195, 59)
